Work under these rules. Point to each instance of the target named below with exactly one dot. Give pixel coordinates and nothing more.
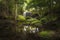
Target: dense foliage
(42, 24)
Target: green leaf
(21, 18)
(46, 33)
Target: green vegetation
(47, 33)
(44, 21)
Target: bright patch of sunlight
(32, 9)
(26, 26)
(24, 29)
(42, 8)
(24, 8)
(25, 4)
(33, 29)
(54, 2)
(28, 1)
(30, 29)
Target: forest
(29, 19)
